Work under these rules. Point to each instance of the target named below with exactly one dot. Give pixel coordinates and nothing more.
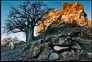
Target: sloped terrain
(39, 50)
(67, 37)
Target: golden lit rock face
(47, 20)
(72, 7)
(74, 12)
(71, 12)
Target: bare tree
(25, 17)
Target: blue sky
(5, 6)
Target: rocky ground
(39, 50)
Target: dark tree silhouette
(25, 17)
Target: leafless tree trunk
(25, 18)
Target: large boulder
(72, 12)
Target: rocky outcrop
(72, 7)
(73, 12)
(40, 49)
(51, 44)
(49, 19)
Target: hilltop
(71, 12)
(60, 30)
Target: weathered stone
(43, 55)
(39, 50)
(76, 45)
(66, 54)
(70, 13)
(53, 56)
(58, 48)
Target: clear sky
(5, 6)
